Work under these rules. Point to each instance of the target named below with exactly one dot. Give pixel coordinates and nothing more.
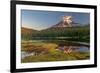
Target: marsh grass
(50, 52)
(57, 56)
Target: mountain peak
(65, 22)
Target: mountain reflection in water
(65, 47)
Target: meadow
(44, 51)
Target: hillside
(27, 31)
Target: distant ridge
(27, 31)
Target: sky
(39, 20)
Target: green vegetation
(47, 51)
(56, 56)
(72, 33)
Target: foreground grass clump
(56, 56)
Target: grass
(50, 52)
(56, 56)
